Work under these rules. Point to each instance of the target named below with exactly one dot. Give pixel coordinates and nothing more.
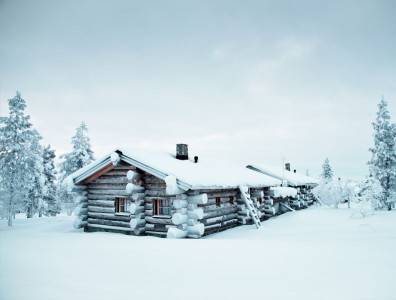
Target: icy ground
(318, 253)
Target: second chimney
(182, 151)
(287, 166)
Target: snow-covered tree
(368, 192)
(383, 160)
(80, 156)
(16, 137)
(327, 172)
(34, 202)
(50, 181)
(329, 192)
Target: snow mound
(283, 192)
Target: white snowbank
(311, 254)
(283, 192)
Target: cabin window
(161, 207)
(218, 201)
(232, 199)
(120, 204)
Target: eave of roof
(79, 176)
(99, 165)
(290, 181)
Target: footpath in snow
(318, 253)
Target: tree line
(30, 180)
(32, 183)
(379, 186)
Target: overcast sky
(258, 80)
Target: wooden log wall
(224, 208)
(101, 193)
(218, 218)
(80, 193)
(155, 188)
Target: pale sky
(254, 80)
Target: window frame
(119, 202)
(160, 210)
(218, 201)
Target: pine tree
(50, 190)
(327, 172)
(383, 160)
(34, 202)
(16, 136)
(80, 156)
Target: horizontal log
(109, 216)
(113, 193)
(108, 222)
(154, 186)
(217, 193)
(106, 227)
(156, 233)
(114, 173)
(101, 209)
(155, 193)
(219, 211)
(220, 219)
(154, 181)
(111, 180)
(198, 199)
(104, 203)
(100, 197)
(107, 186)
(162, 221)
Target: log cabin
(172, 195)
(300, 191)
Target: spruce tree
(34, 202)
(50, 190)
(383, 160)
(327, 172)
(16, 135)
(80, 156)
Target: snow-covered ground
(318, 253)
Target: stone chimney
(182, 151)
(287, 166)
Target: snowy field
(318, 253)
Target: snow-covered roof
(293, 179)
(209, 174)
